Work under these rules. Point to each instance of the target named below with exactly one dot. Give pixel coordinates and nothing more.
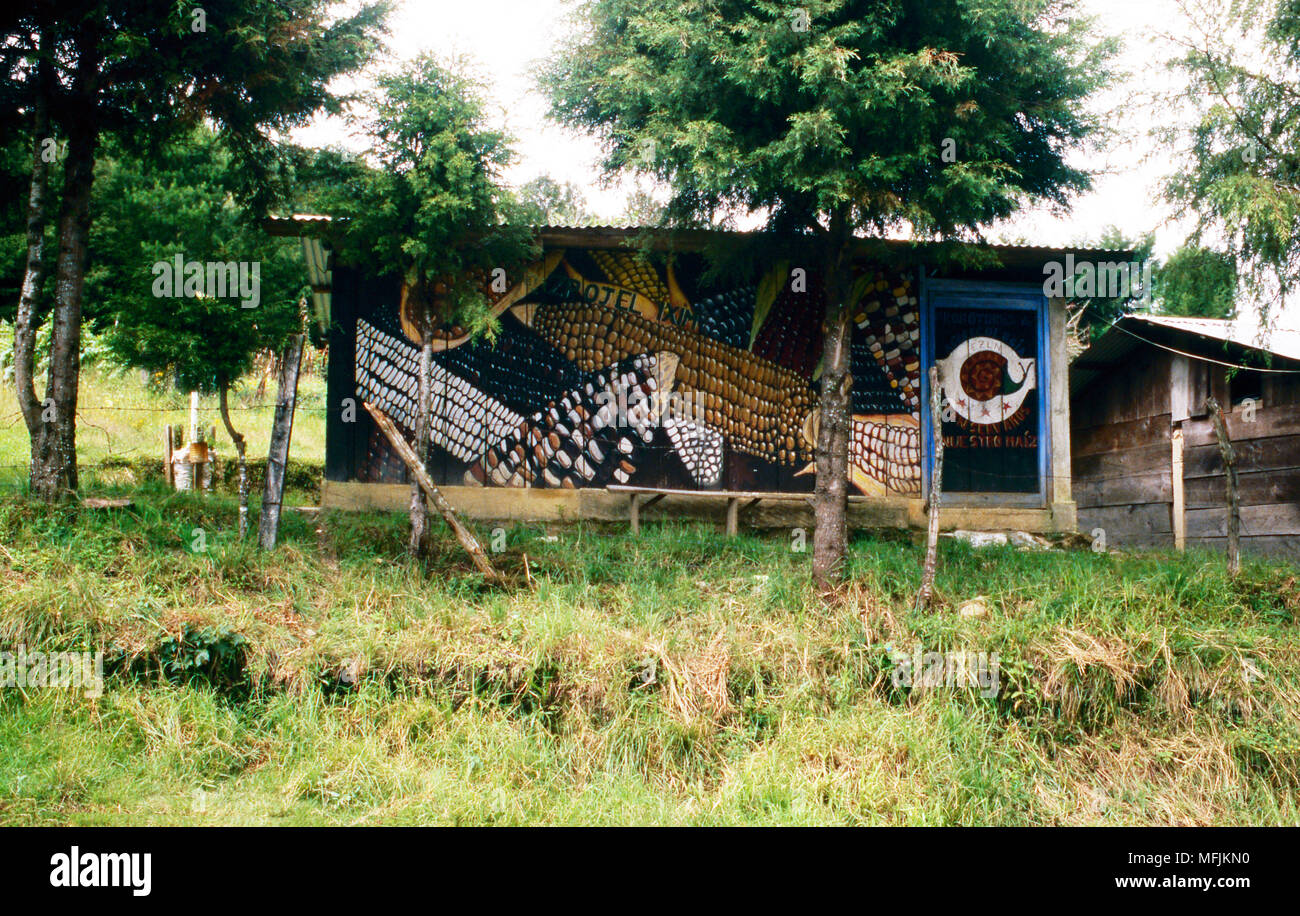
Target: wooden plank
(1179, 388)
(1280, 453)
(1125, 522)
(1281, 519)
(1152, 487)
(1115, 437)
(1136, 388)
(1129, 462)
(1277, 547)
(416, 467)
(1257, 488)
(1271, 421)
(751, 495)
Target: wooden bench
(644, 497)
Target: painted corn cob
(755, 404)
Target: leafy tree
(1239, 155)
(1092, 315)
(545, 201)
(433, 207)
(1197, 282)
(1193, 282)
(181, 201)
(642, 209)
(832, 118)
(143, 72)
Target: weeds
(676, 677)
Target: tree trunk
(54, 458)
(830, 537)
(420, 511)
(238, 440)
(28, 318)
(277, 459)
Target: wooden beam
(167, 456)
(413, 464)
(1179, 490)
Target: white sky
(506, 38)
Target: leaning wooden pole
(421, 476)
(277, 459)
(936, 488)
(1230, 480)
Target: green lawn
(675, 678)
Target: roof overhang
(1204, 338)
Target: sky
(507, 38)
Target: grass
(120, 422)
(674, 678)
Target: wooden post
(277, 459)
(1230, 480)
(733, 517)
(414, 465)
(237, 439)
(634, 512)
(936, 488)
(167, 455)
(1179, 490)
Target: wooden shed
(544, 423)
(1147, 467)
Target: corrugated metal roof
(314, 224)
(321, 278)
(314, 230)
(1213, 338)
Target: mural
(617, 367)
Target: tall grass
(675, 677)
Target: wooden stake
(237, 439)
(277, 459)
(1179, 490)
(1230, 480)
(936, 488)
(408, 456)
(167, 455)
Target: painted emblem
(986, 381)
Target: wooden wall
(1267, 446)
(1122, 449)
(1120, 453)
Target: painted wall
(617, 367)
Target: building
(624, 361)
(1147, 466)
